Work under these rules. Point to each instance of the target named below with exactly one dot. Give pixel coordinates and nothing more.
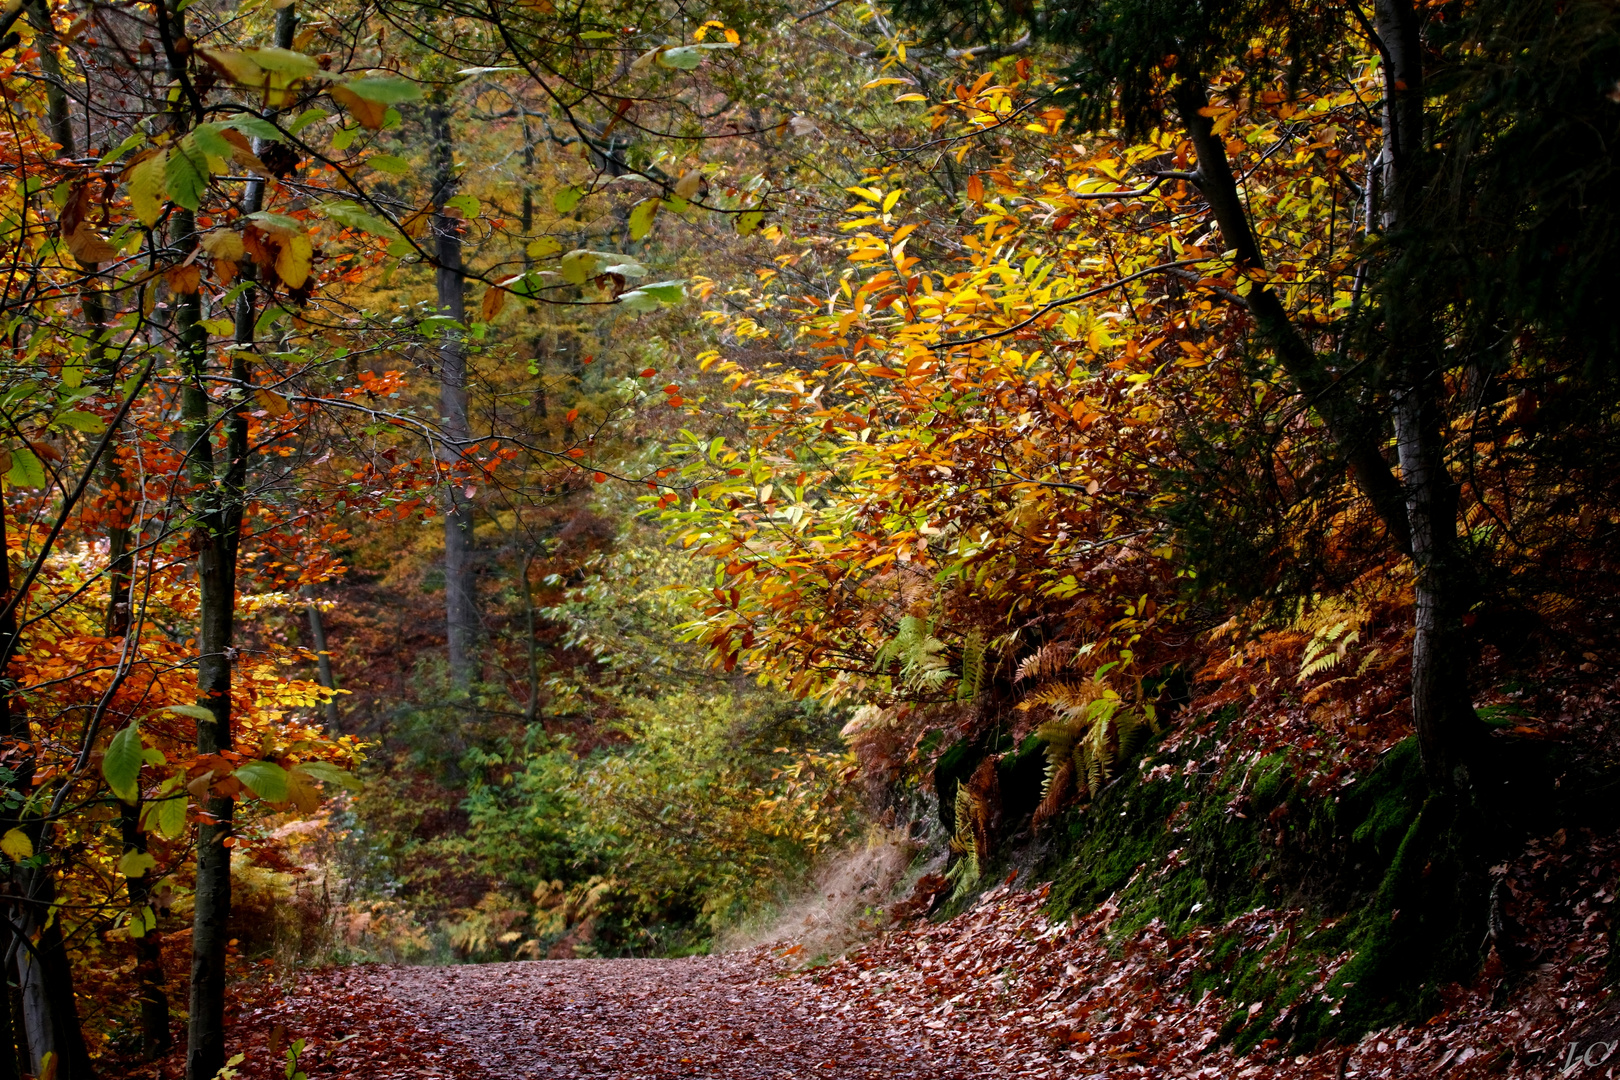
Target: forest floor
(999, 991)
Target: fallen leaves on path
(1001, 991)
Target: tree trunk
(149, 978)
(1442, 705)
(44, 976)
(1419, 510)
(1351, 431)
(531, 712)
(216, 575)
(10, 1060)
(323, 656)
(220, 522)
(460, 599)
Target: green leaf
(354, 216)
(668, 292)
(284, 62)
(345, 137)
(26, 470)
(747, 223)
(196, 712)
(638, 301)
(595, 35)
(306, 118)
(206, 137)
(579, 266)
(468, 205)
(623, 266)
(140, 922)
(135, 864)
(385, 89)
(185, 174)
(539, 249)
(87, 422)
(72, 374)
(265, 779)
(682, 57)
(531, 284)
(256, 127)
(277, 221)
(565, 199)
(641, 218)
(167, 814)
(123, 148)
(328, 773)
(388, 163)
(121, 765)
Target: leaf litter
(1001, 990)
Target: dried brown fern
(1045, 661)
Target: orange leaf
(183, 279)
(494, 301)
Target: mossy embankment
(1378, 869)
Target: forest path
(728, 1017)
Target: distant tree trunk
(323, 657)
(461, 609)
(531, 712)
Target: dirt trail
(713, 1017)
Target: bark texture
(460, 598)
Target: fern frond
(972, 677)
(1133, 736)
(1055, 791)
(1047, 660)
(1068, 698)
(962, 838)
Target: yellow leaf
(224, 244)
(294, 259)
(17, 845)
(539, 249)
(687, 185)
(302, 791)
(147, 186)
(271, 402)
(135, 864)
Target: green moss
(1197, 850)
